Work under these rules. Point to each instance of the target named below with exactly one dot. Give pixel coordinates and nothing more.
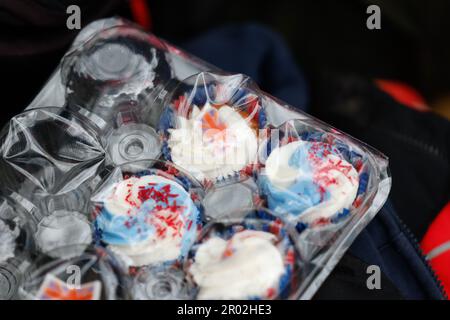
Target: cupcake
(211, 128)
(309, 182)
(244, 259)
(147, 218)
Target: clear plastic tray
(127, 125)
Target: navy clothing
(257, 52)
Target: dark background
(412, 45)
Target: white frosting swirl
(213, 142)
(148, 219)
(248, 265)
(318, 168)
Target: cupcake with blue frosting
(309, 181)
(147, 219)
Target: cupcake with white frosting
(211, 129)
(244, 259)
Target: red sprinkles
(165, 215)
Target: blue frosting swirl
(136, 227)
(303, 193)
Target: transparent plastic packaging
(115, 71)
(94, 274)
(113, 77)
(16, 245)
(49, 157)
(161, 282)
(136, 160)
